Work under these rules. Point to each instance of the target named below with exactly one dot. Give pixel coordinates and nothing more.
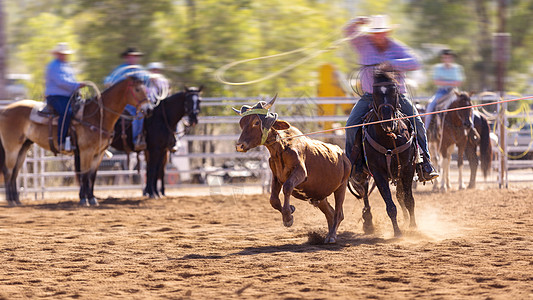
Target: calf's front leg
(298, 175)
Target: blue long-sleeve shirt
(60, 80)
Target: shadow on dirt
(345, 239)
(108, 203)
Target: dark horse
(389, 149)
(92, 133)
(465, 128)
(160, 128)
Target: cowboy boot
(425, 170)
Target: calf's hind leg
(338, 214)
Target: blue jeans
(362, 107)
(441, 92)
(136, 124)
(64, 109)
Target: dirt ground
(469, 244)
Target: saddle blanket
(42, 112)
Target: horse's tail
(485, 147)
(2, 157)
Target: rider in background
(59, 87)
(447, 75)
(158, 90)
(160, 86)
(376, 48)
(131, 57)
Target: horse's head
(463, 117)
(192, 103)
(386, 96)
(255, 124)
(136, 95)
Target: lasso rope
(219, 73)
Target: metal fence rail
(42, 172)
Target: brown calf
(306, 168)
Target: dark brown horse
(93, 133)
(160, 127)
(389, 150)
(467, 129)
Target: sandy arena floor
(469, 244)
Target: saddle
(45, 114)
(445, 101)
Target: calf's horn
(236, 110)
(269, 104)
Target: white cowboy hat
(379, 23)
(62, 48)
(155, 65)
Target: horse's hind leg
(408, 199)
(11, 173)
(384, 190)
(400, 196)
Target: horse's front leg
(297, 176)
(152, 173)
(471, 155)
(84, 186)
(90, 193)
(384, 190)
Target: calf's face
(251, 134)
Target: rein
(389, 152)
(377, 146)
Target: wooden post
(501, 54)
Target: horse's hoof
(330, 240)
(292, 208)
(93, 202)
(368, 228)
(397, 233)
(288, 223)
(84, 202)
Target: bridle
(393, 107)
(465, 122)
(194, 97)
(139, 101)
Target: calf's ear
(281, 125)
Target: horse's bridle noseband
(381, 106)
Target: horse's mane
(382, 76)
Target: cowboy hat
(131, 51)
(155, 65)
(62, 48)
(379, 23)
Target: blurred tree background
(194, 38)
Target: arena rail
(42, 172)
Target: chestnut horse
(92, 134)
(465, 128)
